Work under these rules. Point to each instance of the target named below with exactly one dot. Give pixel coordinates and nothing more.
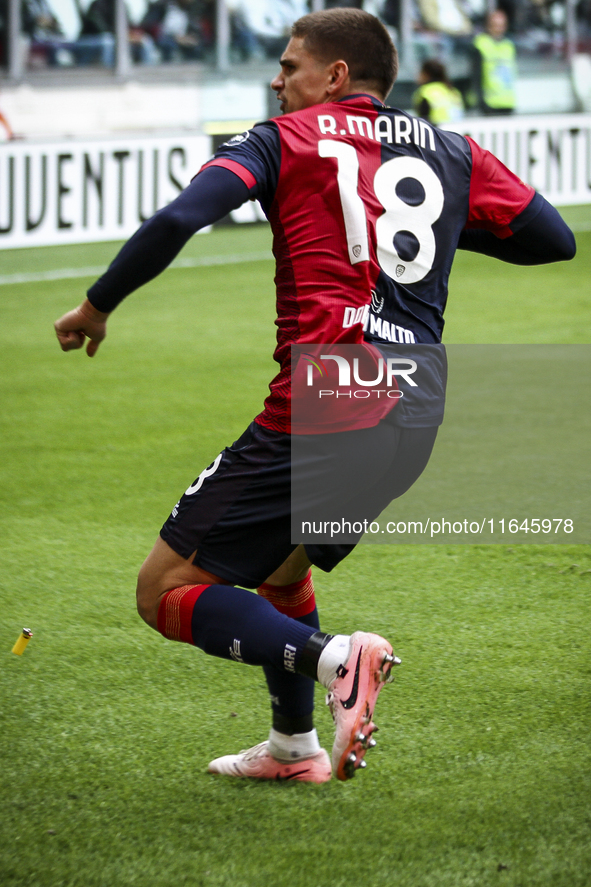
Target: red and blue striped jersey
(366, 205)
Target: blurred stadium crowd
(67, 33)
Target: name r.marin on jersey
(397, 130)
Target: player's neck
(358, 91)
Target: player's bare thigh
(293, 569)
(164, 570)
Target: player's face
(303, 79)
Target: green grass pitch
(481, 773)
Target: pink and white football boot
(257, 763)
(352, 696)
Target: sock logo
(235, 651)
(289, 653)
(350, 702)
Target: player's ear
(339, 74)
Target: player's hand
(82, 323)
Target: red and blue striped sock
(233, 623)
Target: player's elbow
(542, 245)
(562, 248)
(552, 236)
(567, 246)
(175, 224)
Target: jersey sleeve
(255, 157)
(208, 198)
(497, 195)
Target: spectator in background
(494, 67)
(244, 40)
(3, 31)
(45, 36)
(181, 29)
(96, 43)
(436, 100)
(390, 13)
(269, 23)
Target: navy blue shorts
(236, 518)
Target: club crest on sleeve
(236, 140)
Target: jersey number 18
(399, 218)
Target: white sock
(293, 748)
(334, 654)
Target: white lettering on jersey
(327, 124)
(356, 315)
(362, 123)
(425, 128)
(402, 129)
(390, 332)
(406, 130)
(383, 129)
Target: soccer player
(367, 207)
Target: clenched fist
(76, 326)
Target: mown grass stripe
(96, 270)
(182, 262)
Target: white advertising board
(91, 190)
(84, 191)
(550, 152)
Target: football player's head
(332, 53)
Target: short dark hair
(356, 37)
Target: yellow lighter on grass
(23, 640)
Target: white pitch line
(95, 271)
(205, 261)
